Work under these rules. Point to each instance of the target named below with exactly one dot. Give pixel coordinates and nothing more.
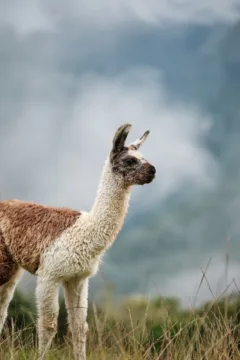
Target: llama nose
(153, 170)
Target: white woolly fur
(79, 248)
(75, 256)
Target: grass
(144, 331)
(138, 329)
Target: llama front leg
(76, 298)
(48, 308)
(6, 294)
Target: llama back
(28, 229)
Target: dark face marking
(134, 170)
(127, 162)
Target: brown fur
(7, 264)
(28, 229)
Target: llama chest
(78, 251)
(72, 254)
(67, 262)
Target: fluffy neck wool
(110, 206)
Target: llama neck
(110, 207)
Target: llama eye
(131, 162)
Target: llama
(62, 246)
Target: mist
(69, 79)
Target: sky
(62, 96)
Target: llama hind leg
(76, 298)
(6, 293)
(48, 308)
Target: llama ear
(136, 144)
(120, 137)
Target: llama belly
(94, 267)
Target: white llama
(62, 246)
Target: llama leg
(6, 294)
(76, 298)
(48, 307)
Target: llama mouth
(150, 179)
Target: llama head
(127, 162)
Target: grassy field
(142, 330)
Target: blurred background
(72, 72)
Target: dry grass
(146, 330)
(207, 336)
